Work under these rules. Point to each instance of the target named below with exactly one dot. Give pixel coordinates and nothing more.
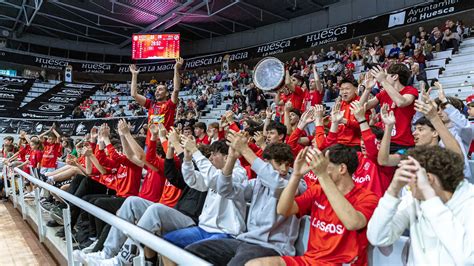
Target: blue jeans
(187, 236)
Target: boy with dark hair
(438, 215)
(268, 234)
(276, 133)
(52, 150)
(200, 133)
(339, 209)
(399, 97)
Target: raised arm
(288, 107)
(429, 110)
(288, 82)
(351, 218)
(400, 100)
(141, 100)
(385, 158)
(176, 80)
(286, 204)
(124, 131)
(317, 80)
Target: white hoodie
(219, 215)
(440, 234)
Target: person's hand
(441, 94)
(336, 114)
(88, 151)
(319, 112)
(372, 51)
(229, 116)
(405, 174)
(233, 153)
(317, 161)
(288, 106)
(259, 139)
(179, 63)
(133, 69)
(173, 136)
(428, 109)
(22, 134)
(153, 130)
(422, 181)
(388, 118)
(369, 82)
(300, 166)
(236, 140)
(268, 113)
(189, 143)
(358, 110)
(104, 131)
(162, 132)
(94, 134)
(379, 73)
(122, 127)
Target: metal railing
(135, 233)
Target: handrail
(138, 234)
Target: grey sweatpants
(153, 217)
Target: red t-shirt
(50, 155)
(329, 242)
(205, 140)
(401, 133)
(297, 98)
(34, 160)
(129, 175)
(170, 194)
(312, 98)
(23, 152)
(161, 112)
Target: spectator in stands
(163, 109)
(450, 40)
(394, 51)
(268, 234)
(436, 38)
(438, 215)
(342, 210)
(200, 132)
(52, 150)
(417, 75)
(399, 97)
(331, 91)
(251, 93)
(120, 112)
(408, 47)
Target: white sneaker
(85, 258)
(115, 261)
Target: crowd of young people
(386, 161)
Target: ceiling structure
(114, 21)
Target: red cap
(470, 99)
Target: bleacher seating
(37, 89)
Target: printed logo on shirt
(322, 207)
(361, 179)
(122, 175)
(366, 166)
(327, 227)
(311, 176)
(168, 184)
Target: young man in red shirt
(163, 109)
(315, 94)
(292, 92)
(349, 130)
(339, 210)
(400, 99)
(200, 131)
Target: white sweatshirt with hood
(440, 233)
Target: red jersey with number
(50, 154)
(401, 133)
(329, 241)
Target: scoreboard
(155, 46)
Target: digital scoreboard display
(155, 46)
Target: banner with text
(335, 34)
(12, 92)
(72, 127)
(59, 101)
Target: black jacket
(191, 201)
